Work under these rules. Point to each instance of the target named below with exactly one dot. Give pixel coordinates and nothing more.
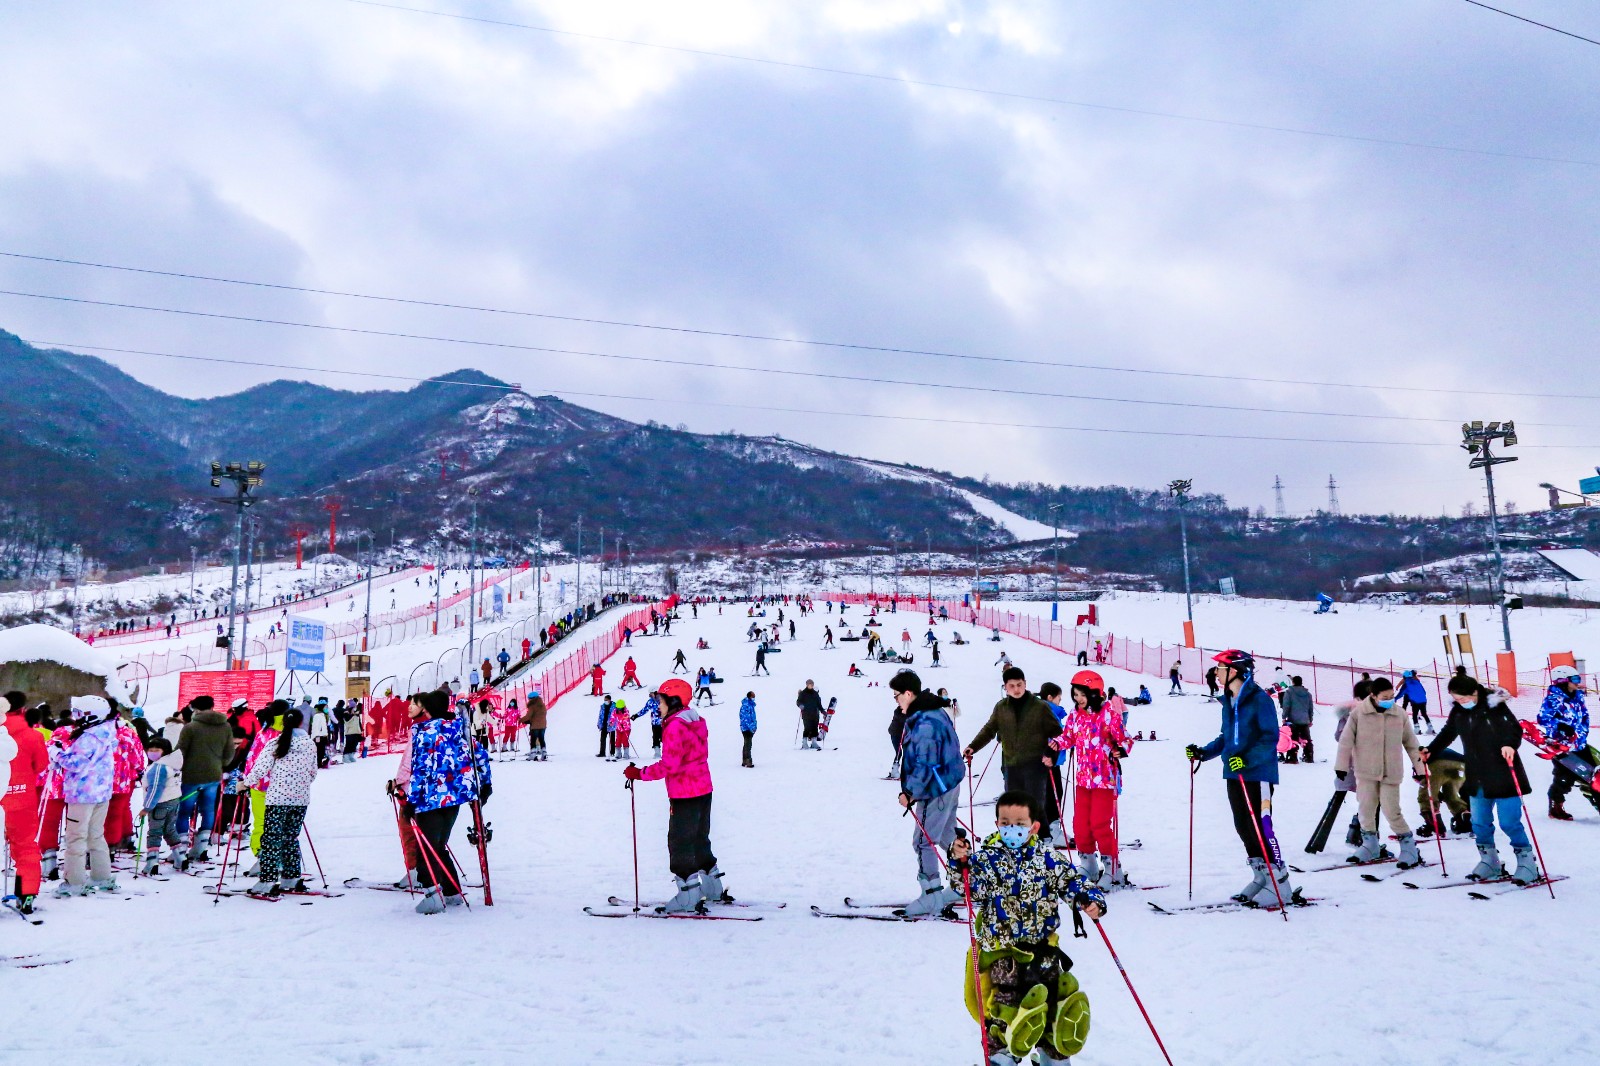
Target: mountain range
(96, 458)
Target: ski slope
(1386, 976)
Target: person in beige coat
(1369, 751)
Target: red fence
(1329, 682)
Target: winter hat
(240, 704)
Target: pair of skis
(725, 911)
(1295, 901)
(886, 912)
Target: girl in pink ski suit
(685, 769)
(1094, 735)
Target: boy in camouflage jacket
(1030, 999)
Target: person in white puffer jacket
(289, 767)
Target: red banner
(225, 686)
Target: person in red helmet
(684, 767)
(1093, 733)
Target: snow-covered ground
(1377, 974)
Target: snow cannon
(1324, 603)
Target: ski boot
(935, 897)
(198, 851)
(1090, 863)
(432, 902)
(408, 883)
(1527, 871)
(107, 884)
(689, 896)
(532, 756)
(291, 884)
(151, 865)
(1352, 836)
(1286, 889)
(177, 857)
(50, 865)
(1409, 857)
(1115, 878)
(711, 886)
(1371, 850)
(1258, 882)
(66, 890)
(1558, 811)
(1428, 828)
(1461, 822)
(1488, 868)
(264, 887)
(454, 901)
(25, 904)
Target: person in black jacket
(1496, 781)
(809, 700)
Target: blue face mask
(1386, 704)
(1014, 836)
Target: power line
(760, 407)
(802, 341)
(700, 364)
(999, 93)
(1532, 22)
(1115, 430)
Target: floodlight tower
(245, 476)
(1179, 490)
(1477, 440)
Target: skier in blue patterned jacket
(1564, 719)
(445, 771)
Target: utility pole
(1179, 490)
(538, 568)
(602, 562)
(192, 555)
(894, 546)
(438, 588)
(472, 578)
(77, 579)
(366, 619)
(928, 533)
(1476, 440)
(580, 568)
(245, 476)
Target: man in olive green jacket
(207, 745)
(1025, 725)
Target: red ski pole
(1433, 813)
(1129, 982)
(1544, 870)
(314, 858)
(1266, 856)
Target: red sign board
(225, 686)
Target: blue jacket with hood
(1249, 731)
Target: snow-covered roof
(35, 643)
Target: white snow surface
(42, 643)
(1377, 974)
(1581, 563)
(1013, 523)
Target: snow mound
(36, 643)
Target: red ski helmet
(1239, 660)
(1090, 680)
(676, 687)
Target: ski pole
(222, 869)
(438, 863)
(395, 803)
(1129, 982)
(1545, 870)
(977, 953)
(448, 850)
(1194, 768)
(985, 772)
(1433, 813)
(138, 846)
(304, 829)
(633, 812)
(1266, 857)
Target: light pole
(249, 583)
(472, 570)
(245, 476)
(928, 533)
(366, 619)
(1476, 439)
(894, 547)
(77, 579)
(602, 562)
(438, 589)
(1055, 546)
(579, 579)
(538, 568)
(1179, 490)
(191, 573)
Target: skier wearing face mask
(1369, 750)
(1031, 1001)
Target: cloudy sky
(669, 182)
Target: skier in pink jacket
(684, 768)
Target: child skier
(747, 725)
(1369, 751)
(536, 718)
(630, 674)
(1490, 737)
(622, 730)
(163, 790)
(684, 767)
(1029, 997)
(1414, 697)
(86, 763)
(288, 767)
(702, 686)
(1098, 742)
(1564, 720)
